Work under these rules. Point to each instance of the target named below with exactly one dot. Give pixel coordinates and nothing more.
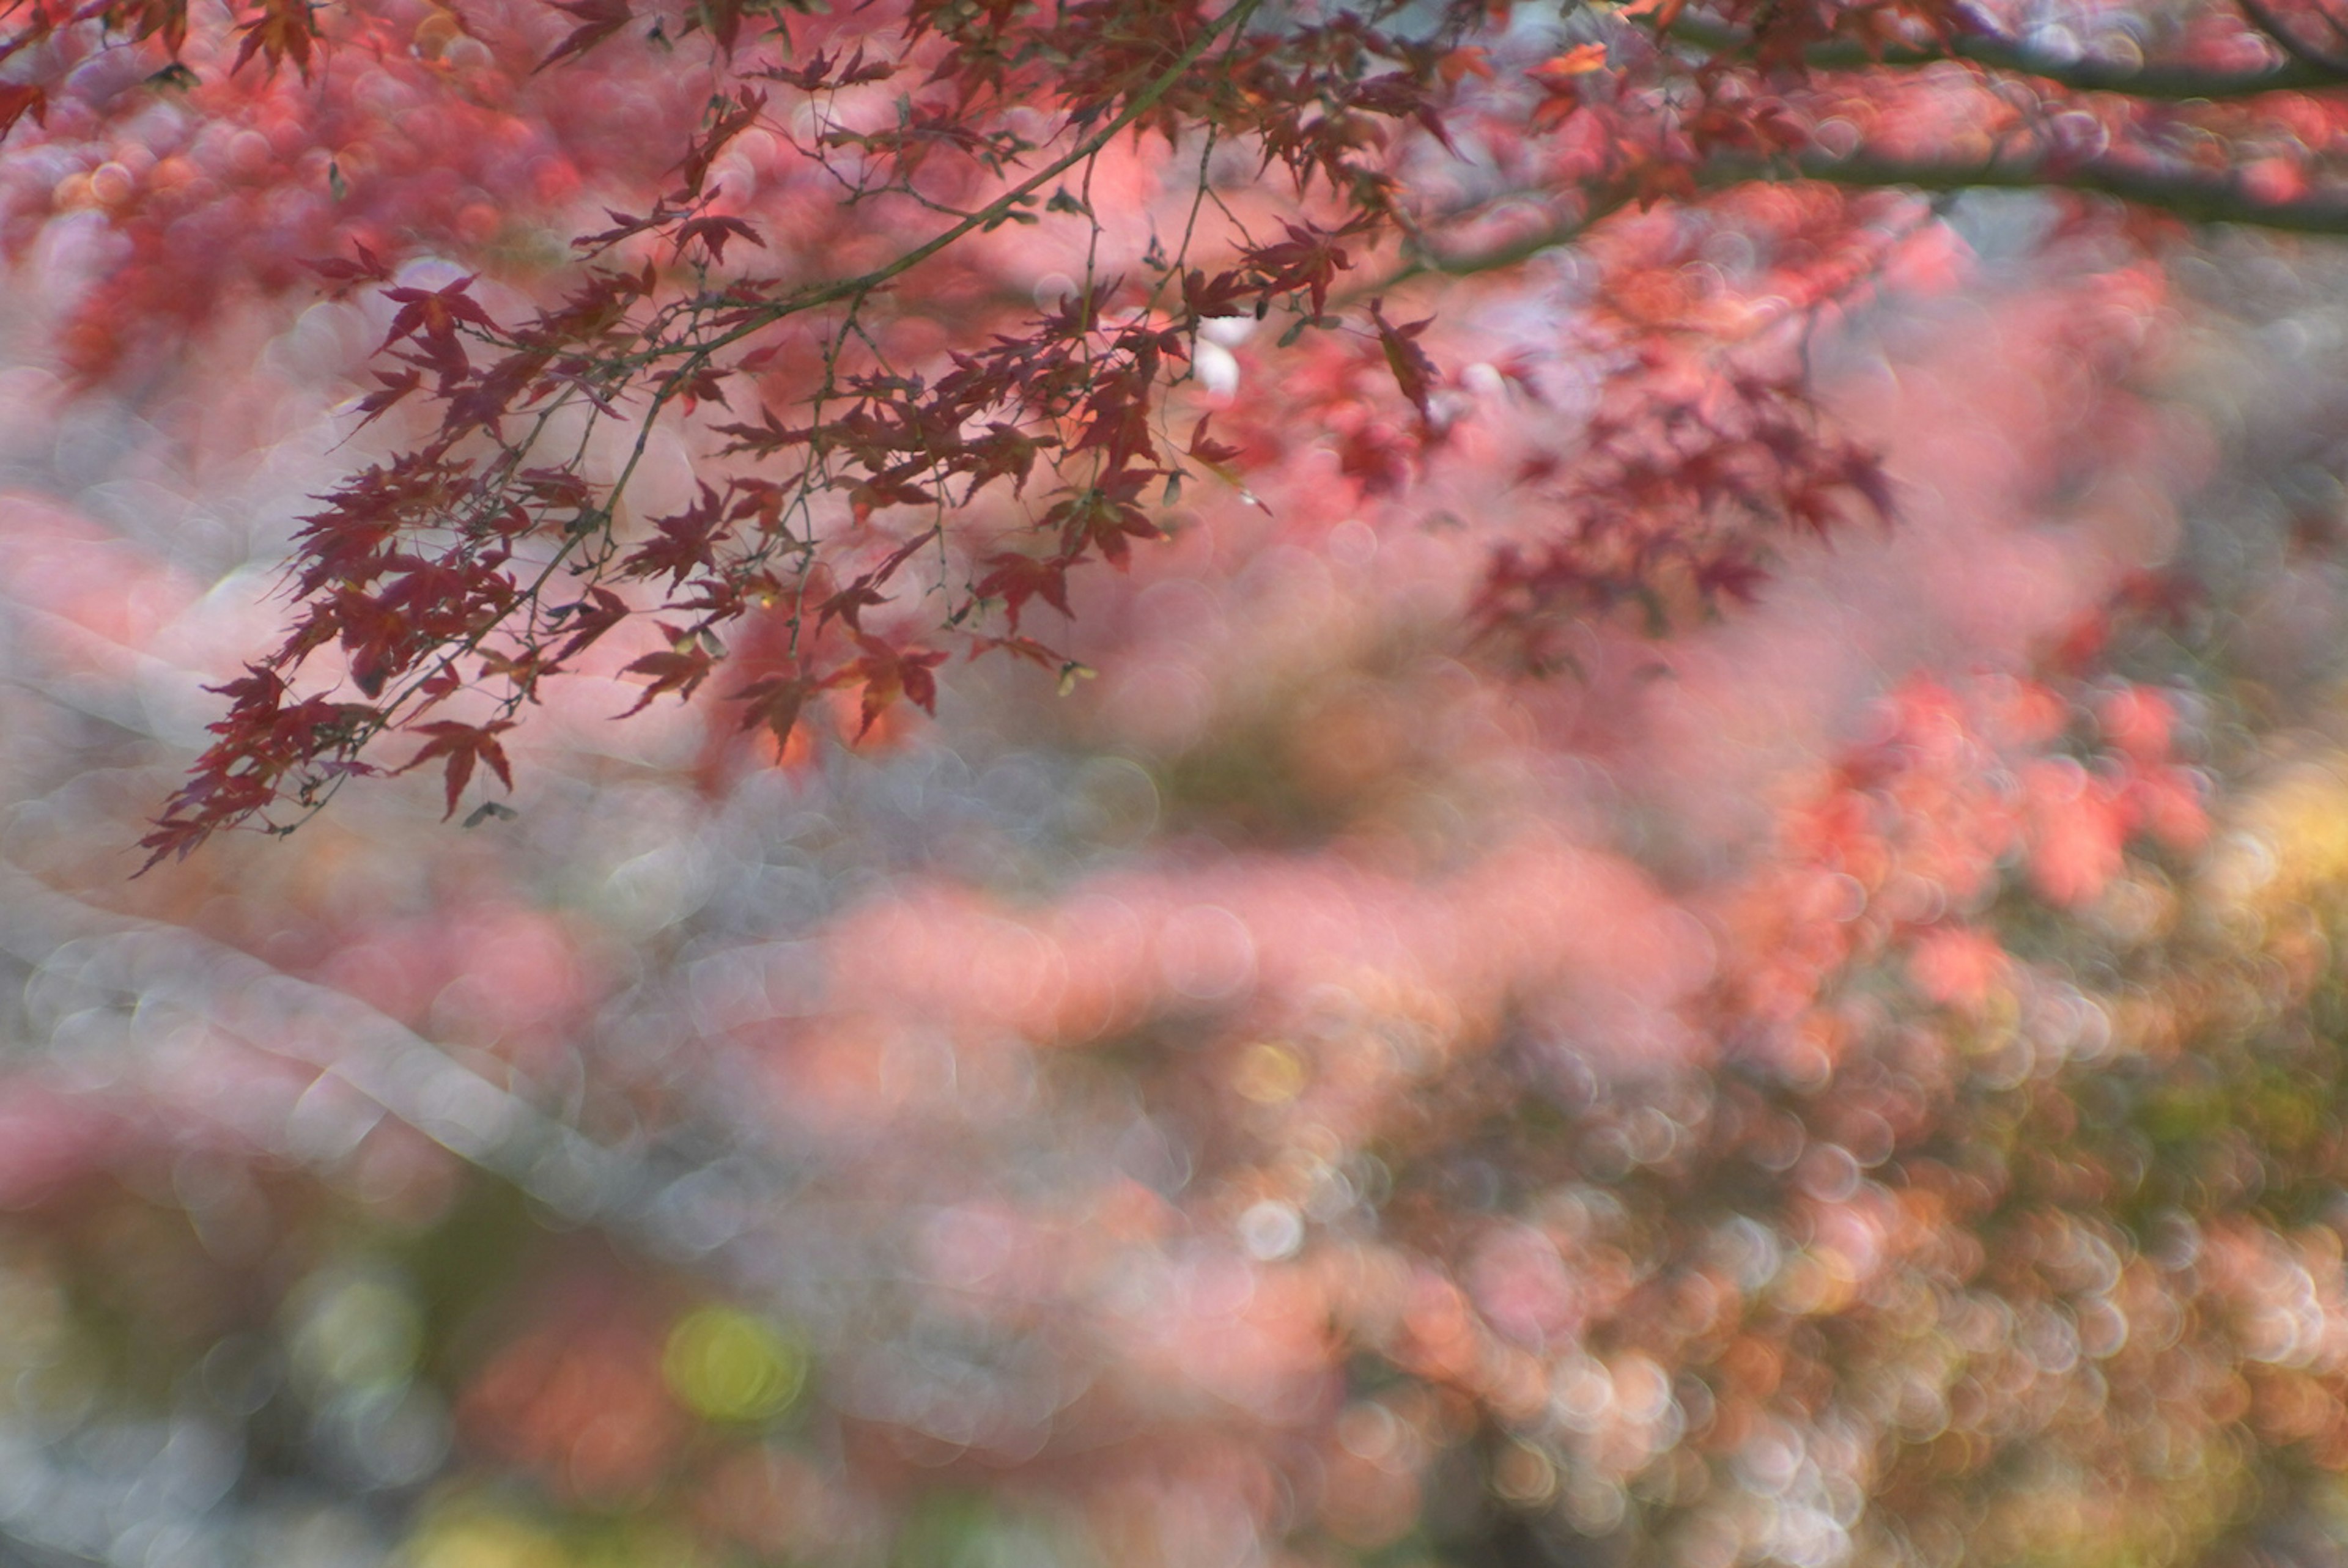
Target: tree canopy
(1626, 849)
(921, 292)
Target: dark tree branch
(2305, 71)
(2191, 195)
(2291, 43)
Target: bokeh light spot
(725, 1364)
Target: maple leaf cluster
(813, 273)
(1321, 1100)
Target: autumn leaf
(1210, 452)
(1104, 518)
(18, 99)
(712, 235)
(462, 745)
(851, 602)
(724, 20)
(590, 618)
(1664, 13)
(346, 274)
(280, 30)
(1021, 647)
(164, 19)
(375, 404)
(1414, 373)
(681, 668)
(733, 123)
(683, 543)
(1579, 61)
(1730, 576)
(1308, 260)
(890, 674)
(434, 314)
(598, 20)
(1016, 579)
(775, 702)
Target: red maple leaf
(598, 20)
(463, 746)
(681, 668)
(1016, 579)
(890, 674)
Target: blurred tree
(1860, 1081)
(879, 270)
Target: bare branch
(2305, 71)
(2191, 195)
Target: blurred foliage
(1857, 1081)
